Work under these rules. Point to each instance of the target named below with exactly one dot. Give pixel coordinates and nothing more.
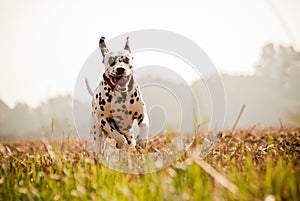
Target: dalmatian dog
(117, 102)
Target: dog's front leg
(142, 138)
(121, 140)
(98, 136)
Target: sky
(45, 43)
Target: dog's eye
(126, 60)
(112, 61)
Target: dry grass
(258, 162)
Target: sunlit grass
(40, 170)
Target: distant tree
(25, 122)
(281, 63)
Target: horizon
(54, 96)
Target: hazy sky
(45, 43)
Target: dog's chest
(121, 107)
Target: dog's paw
(142, 142)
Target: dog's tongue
(122, 82)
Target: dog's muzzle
(120, 77)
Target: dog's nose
(120, 70)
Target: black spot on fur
(135, 94)
(112, 111)
(101, 40)
(135, 113)
(118, 110)
(122, 98)
(113, 63)
(103, 122)
(119, 117)
(137, 99)
(102, 102)
(140, 116)
(96, 96)
(140, 121)
(109, 98)
(124, 106)
(102, 115)
(102, 108)
(126, 60)
(128, 127)
(131, 101)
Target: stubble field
(248, 164)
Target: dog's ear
(127, 44)
(103, 47)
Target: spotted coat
(115, 106)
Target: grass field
(253, 164)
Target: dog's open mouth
(121, 80)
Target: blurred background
(254, 44)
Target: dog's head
(118, 65)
